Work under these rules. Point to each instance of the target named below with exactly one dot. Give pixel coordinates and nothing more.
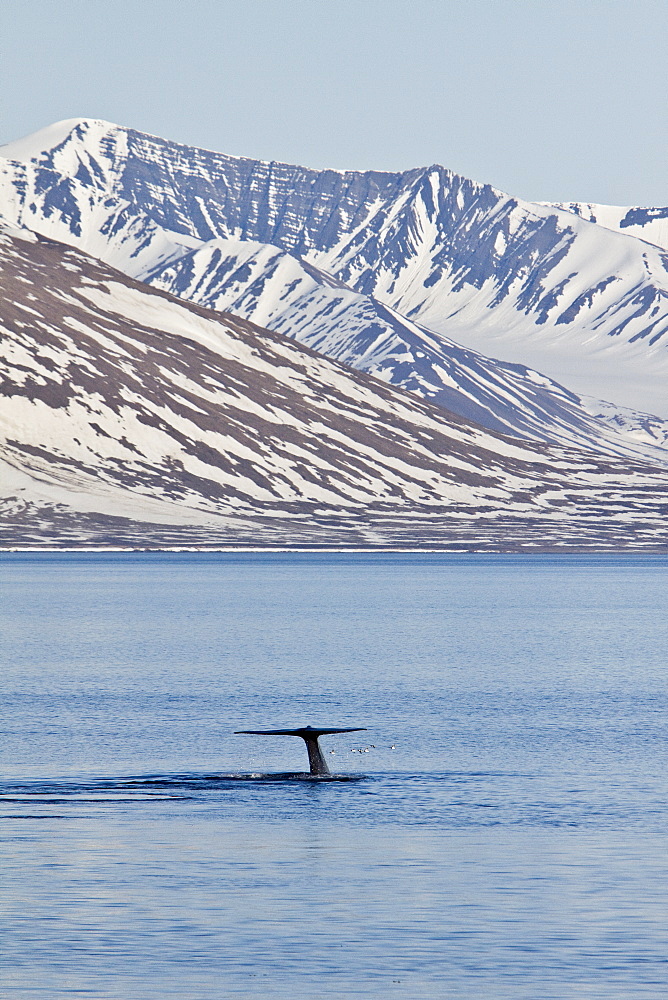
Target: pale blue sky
(546, 99)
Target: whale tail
(317, 763)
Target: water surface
(507, 836)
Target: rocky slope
(282, 293)
(129, 417)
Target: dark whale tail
(309, 734)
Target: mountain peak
(32, 146)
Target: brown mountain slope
(128, 417)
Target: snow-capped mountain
(529, 283)
(278, 291)
(129, 416)
(649, 224)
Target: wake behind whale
(178, 785)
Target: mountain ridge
(281, 293)
(519, 281)
(647, 223)
(119, 398)
(349, 264)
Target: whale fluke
(317, 763)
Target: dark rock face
(641, 216)
(289, 206)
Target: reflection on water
(503, 837)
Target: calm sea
(508, 836)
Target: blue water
(507, 836)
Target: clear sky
(546, 99)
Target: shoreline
(295, 550)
